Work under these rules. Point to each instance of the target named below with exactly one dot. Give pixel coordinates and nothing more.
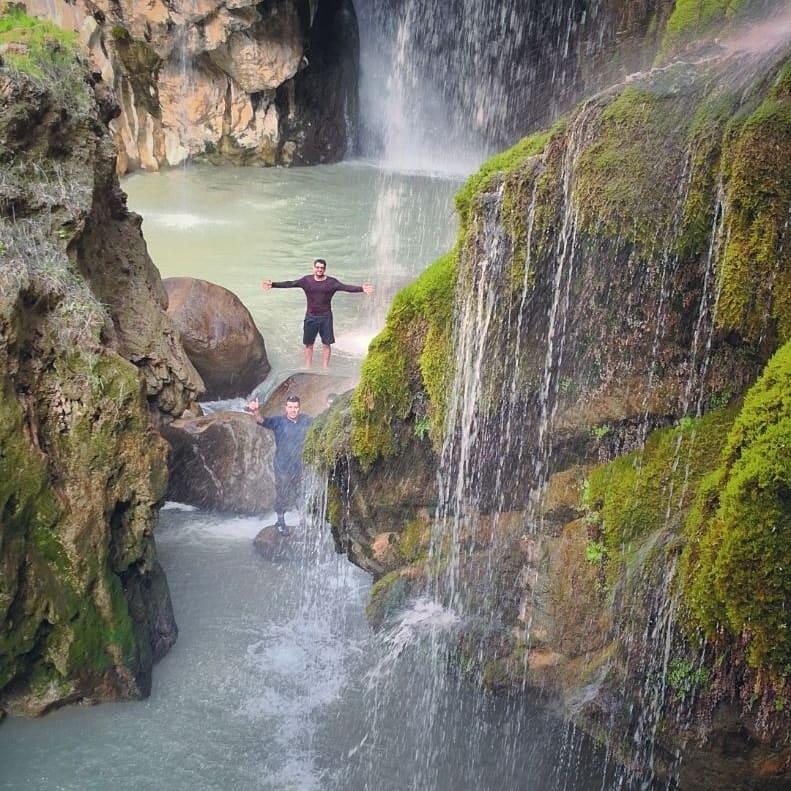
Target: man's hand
(266, 285)
(253, 405)
(368, 288)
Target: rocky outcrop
(255, 83)
(221, 462)
(619, 341)
(89, 365)
(219, 335)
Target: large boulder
(221, 462)
(219, 336)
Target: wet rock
(269, 83)
(314, 391)
(221, 462)
(269, 543)
(89, 365)
(219, 336)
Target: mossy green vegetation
(696, 19)
(737, 562)
(388, 595)
(653, 488)
(504, 162)
(328, 437)
(411, 355)
(754, 273)
(625, 179)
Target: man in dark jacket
(289, 430)
(319, 290)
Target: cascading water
(445, 85)
(502, 440)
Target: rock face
(609, 481)
(89, 365)
(221, 462)
(219, 335)
(267, 83)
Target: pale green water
(239, 226)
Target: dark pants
(317, 325)
(288, 489)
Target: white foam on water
(183, 221)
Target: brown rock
(312, 389)
(219, 335)
(270, 544)
(221, 462)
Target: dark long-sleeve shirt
(289, 439)
(318, 293)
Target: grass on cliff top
(33, 46)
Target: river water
(276, 681)
(239, 226)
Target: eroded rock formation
(89, 366)
(272, 83)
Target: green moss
(413, 541)
(736, 564)
(705, 145)
(651, 489)
(755, 279)
(625, 186)
(504, 162)
(120, 33)
(695, 19)
(387, 596)
(329, 435)
(411, 355)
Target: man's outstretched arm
(365, 288)
(267, 284)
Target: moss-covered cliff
(607, 418)
(88, 364)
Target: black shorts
(317, 325)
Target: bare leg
(308, 356)
(326, 351)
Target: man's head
(319, 268)
(292, 407)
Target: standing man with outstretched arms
(319, 290)
(289, 430)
